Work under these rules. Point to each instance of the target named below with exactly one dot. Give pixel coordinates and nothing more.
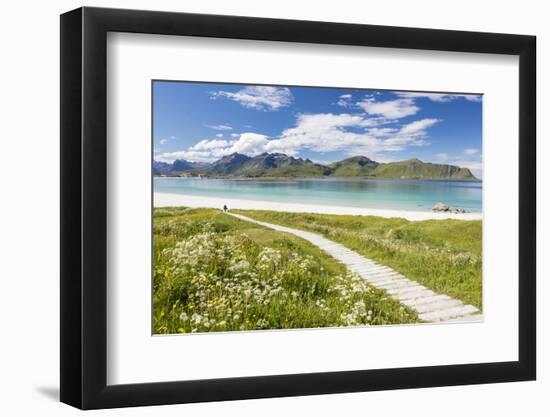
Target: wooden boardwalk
(430, 307)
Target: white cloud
(418, 127)
(381, 131)
(476, 166)
(344, 100)
(472, 97)
(440, 97)
(209, 150)
(471, 151)
(249, 144)
(259, 97)
(329, 132)
(220, 127)
(207, 144)
(392, 109)
(322, 132)
(473, 163)
(235, 135)
(219, 135)
(191, 155)
(163, 141)
(206, 150)
(172, 156)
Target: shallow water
(417, 195)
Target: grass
(213, 272)
(443, 255)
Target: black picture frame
(84, 207)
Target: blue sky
(202, 122)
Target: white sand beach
(176, 200)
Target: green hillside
(416, 169)
(280, 165)
(356, 166)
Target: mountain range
(278, 165)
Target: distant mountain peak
(355, 166)
(235, 155)
(280, 165)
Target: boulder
(454, 210)
(440, 207)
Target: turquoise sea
(417, 195)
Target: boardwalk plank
(430, 306)
(450, 313)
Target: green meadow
(443, 255)
(213, 272)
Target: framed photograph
(256, 208)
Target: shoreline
(326, 178)
(175, 200)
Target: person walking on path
(225, 208)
